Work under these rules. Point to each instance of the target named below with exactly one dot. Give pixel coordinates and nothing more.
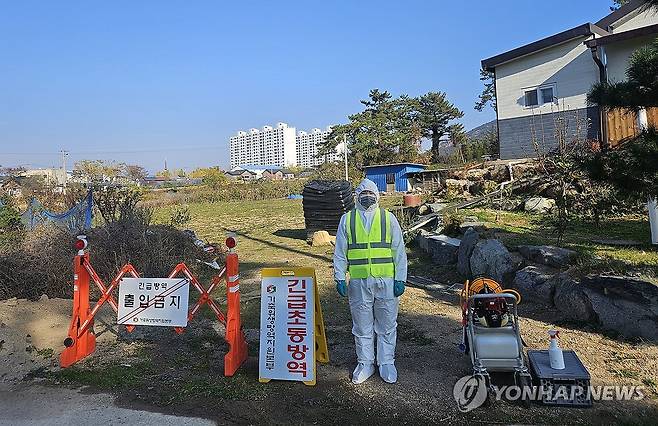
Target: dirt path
(36, 405)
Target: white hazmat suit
(373, 304)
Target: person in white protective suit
(370, 247)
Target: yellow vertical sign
(283, 348)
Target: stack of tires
(324, 202)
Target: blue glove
(398, 288)
(341, 287)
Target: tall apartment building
(270, 146)
(307, 148)
(274, 147)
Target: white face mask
(367, 199)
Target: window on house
(547, 95)
(390, 178)
(539, 96)
(531, 98)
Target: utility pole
(65, 154)
(347, 177)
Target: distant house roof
(626, 35)
(287, 172)
(395, 164)
(239, 172)
(584, 30)
(257, 167)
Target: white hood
(367, 185)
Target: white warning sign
(153, 301)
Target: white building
(541, 88)
(275, 146)
(281, 147)
(307, 148)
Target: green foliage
(180, 216)
(380, 134)
(10, 222)
(118, 203)
(214, 178)
(640, 90)
(434, 114)
(336, 171)
(166, 174)
(391, 130)
(632, 169)
(488, 95)
(232, 191)
(10, 218)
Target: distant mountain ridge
(482, 130)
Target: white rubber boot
(362, 372)
(388, 373)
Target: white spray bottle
(554, 352)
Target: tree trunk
(436, 142)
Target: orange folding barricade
(81, 340)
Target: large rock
(476, 174)
(571, 300)
(536, 285)
(458, 186)
(539, 205)
(491, 259)
(626, 305)
(442, 248)
(556, 257)
(498, 173)
(470, 239)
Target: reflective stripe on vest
(370, 254)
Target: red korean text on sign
(297, 326)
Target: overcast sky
(144, 81)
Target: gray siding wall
(518, 135)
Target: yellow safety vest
(370, 254)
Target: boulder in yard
(539, 205)
(458, 186)
(624, 304)
(498, 173)
(535, 284)
(322, 238)
(491, 259)
(556, 257)
(442, 248)
(570, 299)
(476, 174)
(470, 239)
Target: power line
(134, 151)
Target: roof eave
(620, 13)
(626, 35)
(584, 30)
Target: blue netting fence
(77, 219)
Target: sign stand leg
(237, 353)
(78, 347)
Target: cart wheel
(524, 381)
(484, 378)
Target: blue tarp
(76, 219)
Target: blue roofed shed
(392, 177)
